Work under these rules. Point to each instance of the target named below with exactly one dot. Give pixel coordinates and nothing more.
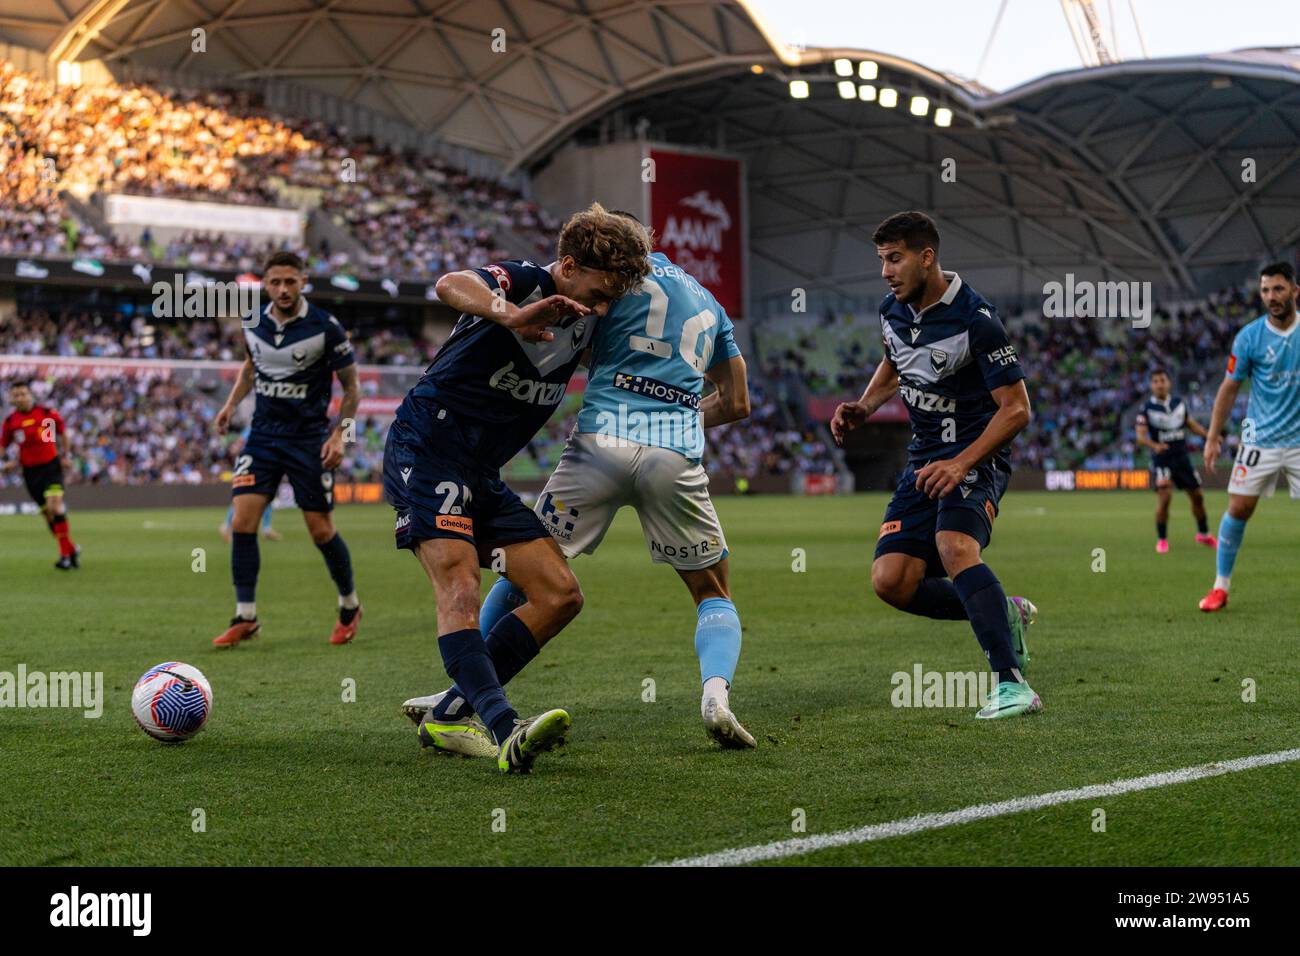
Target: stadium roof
(1180, 172)
(1126, 171)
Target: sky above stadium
(1034, 37)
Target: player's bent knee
(565, 603)
(1241, 508)
(320, 526)
(959, 554)
(706, 583)
(891, 585)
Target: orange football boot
(240, 629)
(343, 633)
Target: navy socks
(937, 598)
(464, 653)
(245, 561)
(339, 562)
(510, 647)
(986, 607)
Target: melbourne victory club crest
(579, 329)
(938, 360)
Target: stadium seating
(414, 216)
(1084, 377)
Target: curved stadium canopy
(1128, 171)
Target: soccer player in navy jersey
(1162, 426)
(947, 355)
(294, 351)
(494, 383)
(639, 442)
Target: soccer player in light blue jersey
(639, 442)
(1267, 352)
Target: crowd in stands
(133, 430)
(1086, 376)
(772, 441)
(125, 430)
(95, 334)
(418, 217)
(1083, 376)
(414, 216)
(1084, 380)
(825, 353)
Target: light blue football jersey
(1271, 360)
(649, 356)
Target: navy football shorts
(266, 459)
(439, 491)
(1177, 471)
(912, 519)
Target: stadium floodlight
(868, 70)
(843, 67)
(68, 73)
(889, 98)
(848, 90)
(920, 106)
(866, 92)
(799, 89)
(943, 116)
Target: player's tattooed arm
(730, 400)
(849, 415)
(467, 292)
(938, 478)
(238, 392)
(331, 453)
(1223, 403)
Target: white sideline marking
(984, 811)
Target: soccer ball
(172, 701)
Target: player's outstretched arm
(849, 415)
(938, 478)
(1196, 428)
(1223, 403)
(731, 400)
(467, 292)
(243, 385)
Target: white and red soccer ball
(172, 701)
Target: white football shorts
(1256, 470)
(596, 477)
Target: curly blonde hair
(607, 242)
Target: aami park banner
(697, 213)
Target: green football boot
(531, 737)
(466, 736)
(1010, 699)
(1020, 614)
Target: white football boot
(416, 706)
(722, 724)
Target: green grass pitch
(1134, 680)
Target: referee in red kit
(38, 431)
